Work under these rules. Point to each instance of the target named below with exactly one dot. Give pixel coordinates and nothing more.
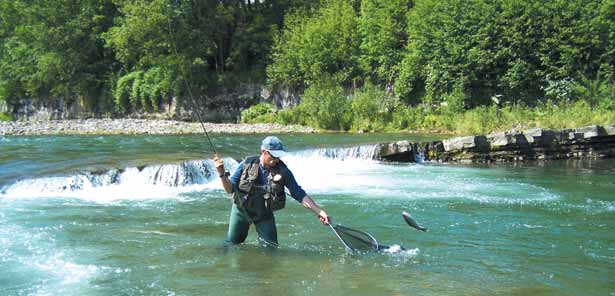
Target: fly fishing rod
(188, 87)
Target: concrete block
(461, 143)
(591, 131)
(610, 130)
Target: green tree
(522, 50)
(451, 43)
(327, 106)
(324, 44)
(196, 47)
(382, 25)
(372, 108)
(54, 50)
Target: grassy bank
(358, 117)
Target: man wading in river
(257, 188)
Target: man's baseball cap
(274, 146)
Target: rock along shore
(590, 142)
(136, 127)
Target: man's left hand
(324, 218)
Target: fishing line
(188, 87)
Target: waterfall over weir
(152, 180)
(359, 152)
(131, 179)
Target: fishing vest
(259, 200)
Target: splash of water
(149, 182)
(348, 171)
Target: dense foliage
(368, 65)
(131, 56)
(438, 64)
(54, 49)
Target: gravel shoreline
(137, 127)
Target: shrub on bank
(363, 112)
(327, 107)
(262, 112)
(6, 117)
(372, 109)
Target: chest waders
(255, 203)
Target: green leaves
(262, 112)
(141, 90)
(311, 47)
(372, 108)
(336, 41)
(79, 49)
(142, 33)
(327, 106)
(51, 49)
(447, 56)
(382, 26)
(513, 48)
(428, 59)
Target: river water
(146, 215)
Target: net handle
(339, 237)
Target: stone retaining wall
(534, 144)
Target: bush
(123, 91)
(401, 119)
(327, 106)
(599, 92)
(6, 117)
(297, 115)
(407, 118)
(262, 112)
(372, 109)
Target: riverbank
(589, 142)
(137, 127)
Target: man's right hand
(226, 183)
(219, 164)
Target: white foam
(318, 172)
(530, 226)
(149, 183)
(324, 175)
(35, 249)
(69, 272)
(372, 179)
(393, 249)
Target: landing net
(355, 240)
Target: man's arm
(309, 203)
(299, 194)
(226, 183)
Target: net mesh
(356, 240)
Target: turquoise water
(142, 215)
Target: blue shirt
(295, 190)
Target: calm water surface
(143, 215)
